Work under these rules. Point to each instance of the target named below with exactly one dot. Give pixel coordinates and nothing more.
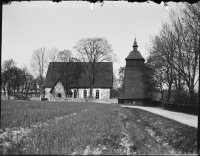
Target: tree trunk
(8, 94)
(169, 92)
(22, 90)
(4, 90)
(27, 90)
(191, 90)
(168, 95)
(162, 94)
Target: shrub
(183, 97)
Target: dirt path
(190, 120)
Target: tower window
(97, 94)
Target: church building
(72, 80)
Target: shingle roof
(104, 77)
(134, 55)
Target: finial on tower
(135, 45)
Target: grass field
(29, 127)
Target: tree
(150, 83)
(160, 52)
(94, 50)
(114, 93)
(53, 54)
(7, 72)
(175, 50)
(53, 57)
(115, 82)
(186, 29)
(64, 56)
(39, 64)
(121, 76)
(28, 82)
(11, 76)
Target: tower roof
(135, 54)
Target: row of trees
(174, 53)
(16, 80)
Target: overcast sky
(28, 26)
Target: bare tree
(115, 82)
(121, 76)
(64, 56)
(176, 48)
(39, 64)
(53, 54)
(53, 57)
(94, 50)
(27, 81)
(186, 35)
(158, 71)
(10, 77)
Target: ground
(35, 127)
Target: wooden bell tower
(133, 85)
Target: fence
(185, 108)
(152, 103)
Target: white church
(72, 80)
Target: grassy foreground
(29, 127)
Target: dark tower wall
(133, 85)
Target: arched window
(85, 93)
(75, 93)
(97, 94)
(59, 95)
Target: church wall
(47, 93)
(103, 93)
(59, 91)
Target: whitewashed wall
(47, 93)
(103, 93)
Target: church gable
(58, 91)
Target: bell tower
(133, 85)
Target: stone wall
(58, 91)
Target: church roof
(135, 54)
(104, 72)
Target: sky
(27, 26)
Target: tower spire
(135, 45)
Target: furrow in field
(16, 134)
(125, 141)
